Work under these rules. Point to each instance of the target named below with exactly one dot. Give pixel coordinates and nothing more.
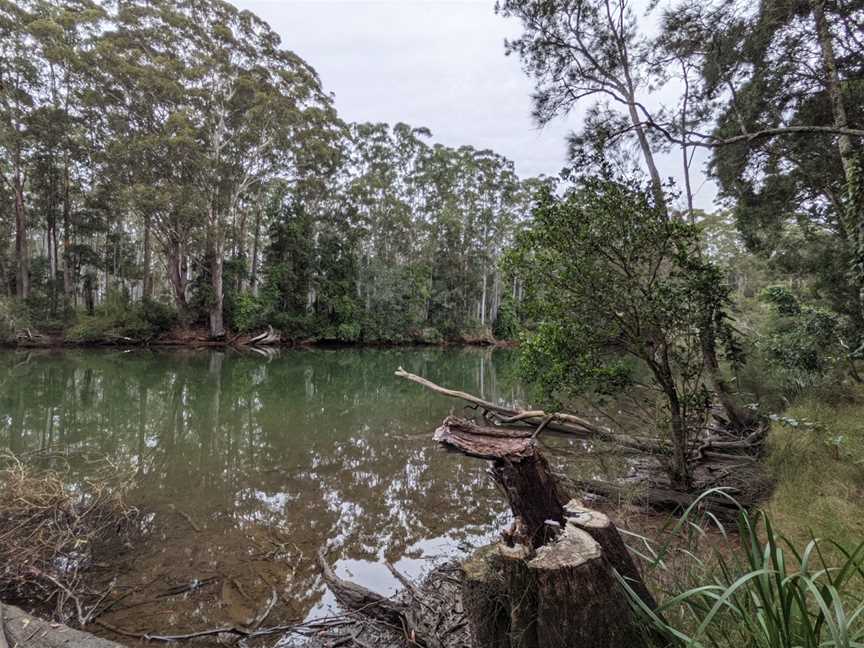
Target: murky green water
(269, 460)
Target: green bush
(506, 325)
(90, 328)
(160, 316)
(430, 335)
(118, 318)
(801, 342)
(782, 299)
(245, 312)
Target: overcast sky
(433, 63)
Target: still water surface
(245, 466)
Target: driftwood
(664, 499)
(558, 421)
(416, 627)
(270, 336)
(357, 597)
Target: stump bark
(580, 603)
(563, 595)
(552, 582)
(604, 532)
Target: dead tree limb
(558, 421)
(357, 597)
(392, 613)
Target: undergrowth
(759, 588)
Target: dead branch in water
(418, 627)
(539, 419)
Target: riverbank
(197, 337)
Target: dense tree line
(160, 152)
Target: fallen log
(270, 336)
(558, 421)
(358, 598)
(662, 499)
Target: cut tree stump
(553, 582)
(521, 596)
(603, 531)
(580, 603)
(564, 595)
(484, 598)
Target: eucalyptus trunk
(854, 209)
(147, 278)
(176, 275)
(67, 244)
(22, 253)
(215, 250)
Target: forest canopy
(172, 162)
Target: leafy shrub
(782, 299)
(506, 326)
(348, 332)
(160, 316)
(118, 318)
(291, 326)
(245, 312)
(430, 335)
(802, 342)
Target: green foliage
(801, 341)
(13, 318)
(615, 284)
(118, 318)
(609, 275)
(782, 299)
(507, 324)
(770, 592)
(245, 313)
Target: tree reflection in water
(268, 460)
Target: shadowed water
(245, 466)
